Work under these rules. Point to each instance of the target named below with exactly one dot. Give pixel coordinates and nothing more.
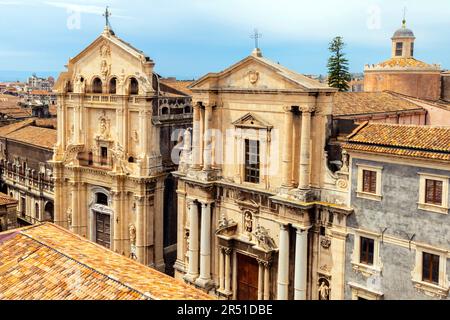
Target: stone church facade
(108, 165)
(260, 215)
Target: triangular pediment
(252, 121)
(256, 73)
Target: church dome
(403, 32)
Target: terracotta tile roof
(5, 199)
(404, 62)
(404, 140)
(50, 123)
(5, 130)
(41, 137)
(9, 106)
(48, 262)
(180, 86)
(358, 103)
(41, 93)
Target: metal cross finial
(404, 17)
(107, 14)
(256, 36)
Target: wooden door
(103, 229)
(247, 278)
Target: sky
(189, 38)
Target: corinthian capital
(307, 109)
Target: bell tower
(403, 42)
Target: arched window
(131, 160)
(113, 86)
(165, 110)
(134, 86)
(97, 86)
(36, 210)
(49, 212)
(102, 199)
(187, 109)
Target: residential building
(8, 212)
(51, 263)
(25, 175)
(398, 246)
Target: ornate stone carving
(104, 127)
(324, 289)
(253, 76)
(345, 161)
(132, 231)
(226, 226)
(325, 243)
(80, 84)
(342, 183)
(135, 136)
(120, 161)
(263, 238)
(307, 109)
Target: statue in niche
(248, 222)
(120, 163)
(105, 69)
(69, 216)
(132, 231)
(80, 84)
(103, 128)
(345, 161)
(324, 289)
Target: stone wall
(446, 87)
(417, 85)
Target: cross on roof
(404, 16)
(107, 14)
(256, 36)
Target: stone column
(207, 150)
(196, 138)
(76, 124)
(283, 263)
(116, 221)
(260, 279)
(305, 149)
(193, 242)
(228, 252)
(205, 246)
(221, 269)
(140, 230)
(267, 280)
(287, 148)
(75, 211)
(301, 263)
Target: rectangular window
(366, 251)
(252, 161)
(412, 49)
(433, 192)
(399, 49)
(370, 181)
(104, 156)
(430, 268)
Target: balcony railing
(89, 160)
(36, 181)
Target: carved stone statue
(120, 163)
(105, 69)
(80, 84)
(132, 231)
(103, 128)
(69, 216)
(264, 239)
(345, 161)
(324, 290)
(248, 222)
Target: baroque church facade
(109, 171)
(260, 215)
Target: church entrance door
(247, 278)
(103, 229)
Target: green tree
(338, 74)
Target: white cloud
(82, 8)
